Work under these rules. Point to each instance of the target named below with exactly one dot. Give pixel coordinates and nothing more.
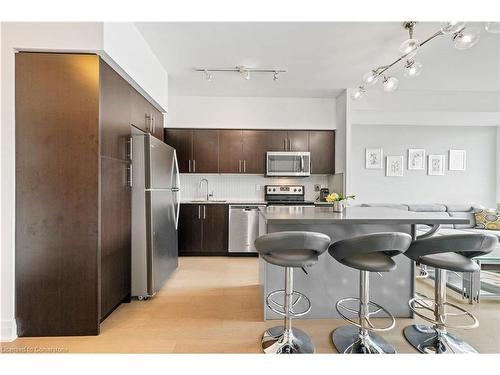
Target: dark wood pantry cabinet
(203, 229)
(73, 213)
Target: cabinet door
(189, 232)
(182, 141)
(158, 124)
(322, 147)
(115, 113)
(115, 234)
(230, 151)
(298, 140)
(215, 221)
(139, 111)
(254, 151)
(205, 151)
(276, 140)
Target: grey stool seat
(368, 253)
(290, 249)
(445, 253)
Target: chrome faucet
(207, 195)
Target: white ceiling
(321, 58)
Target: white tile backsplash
(237, 186)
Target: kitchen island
(328, 280)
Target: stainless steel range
(289, 195)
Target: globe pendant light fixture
(390, 84)
(358, 93)
(370, 78)
(466, 38)
(412, 69)
(463, 37)
(409, 47)
(452, 27)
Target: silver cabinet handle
(239, 166)
(284, 144)
(189, 166)
(204, 212)
(194, 165)
(130, 148)
(148, 123)
(199, 212)
(153, 124)
(244, 166)
(129, 175)
(289, 144)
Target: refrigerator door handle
(176, 190)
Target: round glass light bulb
(370, 78)
(412, 69)
(452, 27)
(492, 27)
(390, 84)
(358, 93)
(409, 47)
(466, 38)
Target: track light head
(275, 76)
(466, 38)
(208, 76)
(358, 93)
(390, 84)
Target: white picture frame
(394, 166)
(416, 159)
(457, 160)
(373, 158)
(435, 165)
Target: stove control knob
(295, 190)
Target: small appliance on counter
(323, 193)
(286, 195)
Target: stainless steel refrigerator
(155, 213)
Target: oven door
(288, 164)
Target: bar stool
(367, 253)
(289, 250)
(445, 253)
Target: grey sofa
(446, 210)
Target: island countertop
(351, 215)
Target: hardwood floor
(212, 305)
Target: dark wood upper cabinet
(72, 198)
(276, 140)
(230, 151)
(182, 141)
(297, 140)
(203, 229)
(205, 156)
(139, 110)
(322, 148)
(115, 113)
(255, 146)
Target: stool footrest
(417, 304)
(279, 307)
(341, 307)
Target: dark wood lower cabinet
(203, 229)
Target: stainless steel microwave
(288, 164)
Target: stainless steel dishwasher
(243, 228)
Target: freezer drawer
(243, 228)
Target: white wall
(125, 45)
(63, 37)
(475, 185)
(251, 112)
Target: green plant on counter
(334, 197)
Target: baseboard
(8, 330)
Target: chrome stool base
(428, 340)
(348, 340)
(274, 341)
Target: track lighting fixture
(242, 70)
(463, 37)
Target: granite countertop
(351, 215)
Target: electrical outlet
(317, 187)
